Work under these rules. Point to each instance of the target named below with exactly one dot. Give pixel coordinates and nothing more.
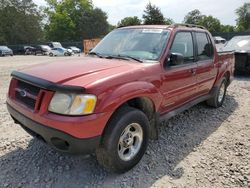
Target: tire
(66, 54)
(50, 54)
(219, 96)
(112, 153)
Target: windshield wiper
(97, 54)
(125, 57)
(129, 57)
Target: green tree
(21, 22)
(61, 26)
(153, 15)
(227, 28)
(212, 24)
(70, 20)
(193, 17)
(209, 22)
(127, 21)
(92, 24)
(168, 21)
(243, 20)
(111, 27)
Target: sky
(224, 10)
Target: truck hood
(91, 68)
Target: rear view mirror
(175, 59)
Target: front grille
(26, 94)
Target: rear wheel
(219, 96)
(125, 140)
(50, 54)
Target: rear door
(206, 71)
(179, 81)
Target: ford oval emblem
(23, 93)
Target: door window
(183, 44)
(205, 47)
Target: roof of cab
(173, 26)
(146, 27)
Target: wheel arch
(227, 76)
(140, 95)
(144, 104)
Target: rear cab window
(205, 50)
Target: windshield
(144, 44)
(4, 47)
(239, 43)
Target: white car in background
(60, 52)
(219, 42)
(75, 49)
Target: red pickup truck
(112, 101)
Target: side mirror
(175, 59)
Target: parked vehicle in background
(18, 49)
(75, 49)
(111, 102)
(29, 50)
(58, 49)
(241, 46)
(219, 42)
(4, 50)
(54, 45)
(71, 52)
(60, 52)
(42, 49)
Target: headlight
(72, 104)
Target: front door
(179, 81)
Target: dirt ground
(202, 147)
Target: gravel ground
(202, 147)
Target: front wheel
(125, 140)
(50, 54)
(220, 94)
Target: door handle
(192, 71)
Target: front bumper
(57, 139)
